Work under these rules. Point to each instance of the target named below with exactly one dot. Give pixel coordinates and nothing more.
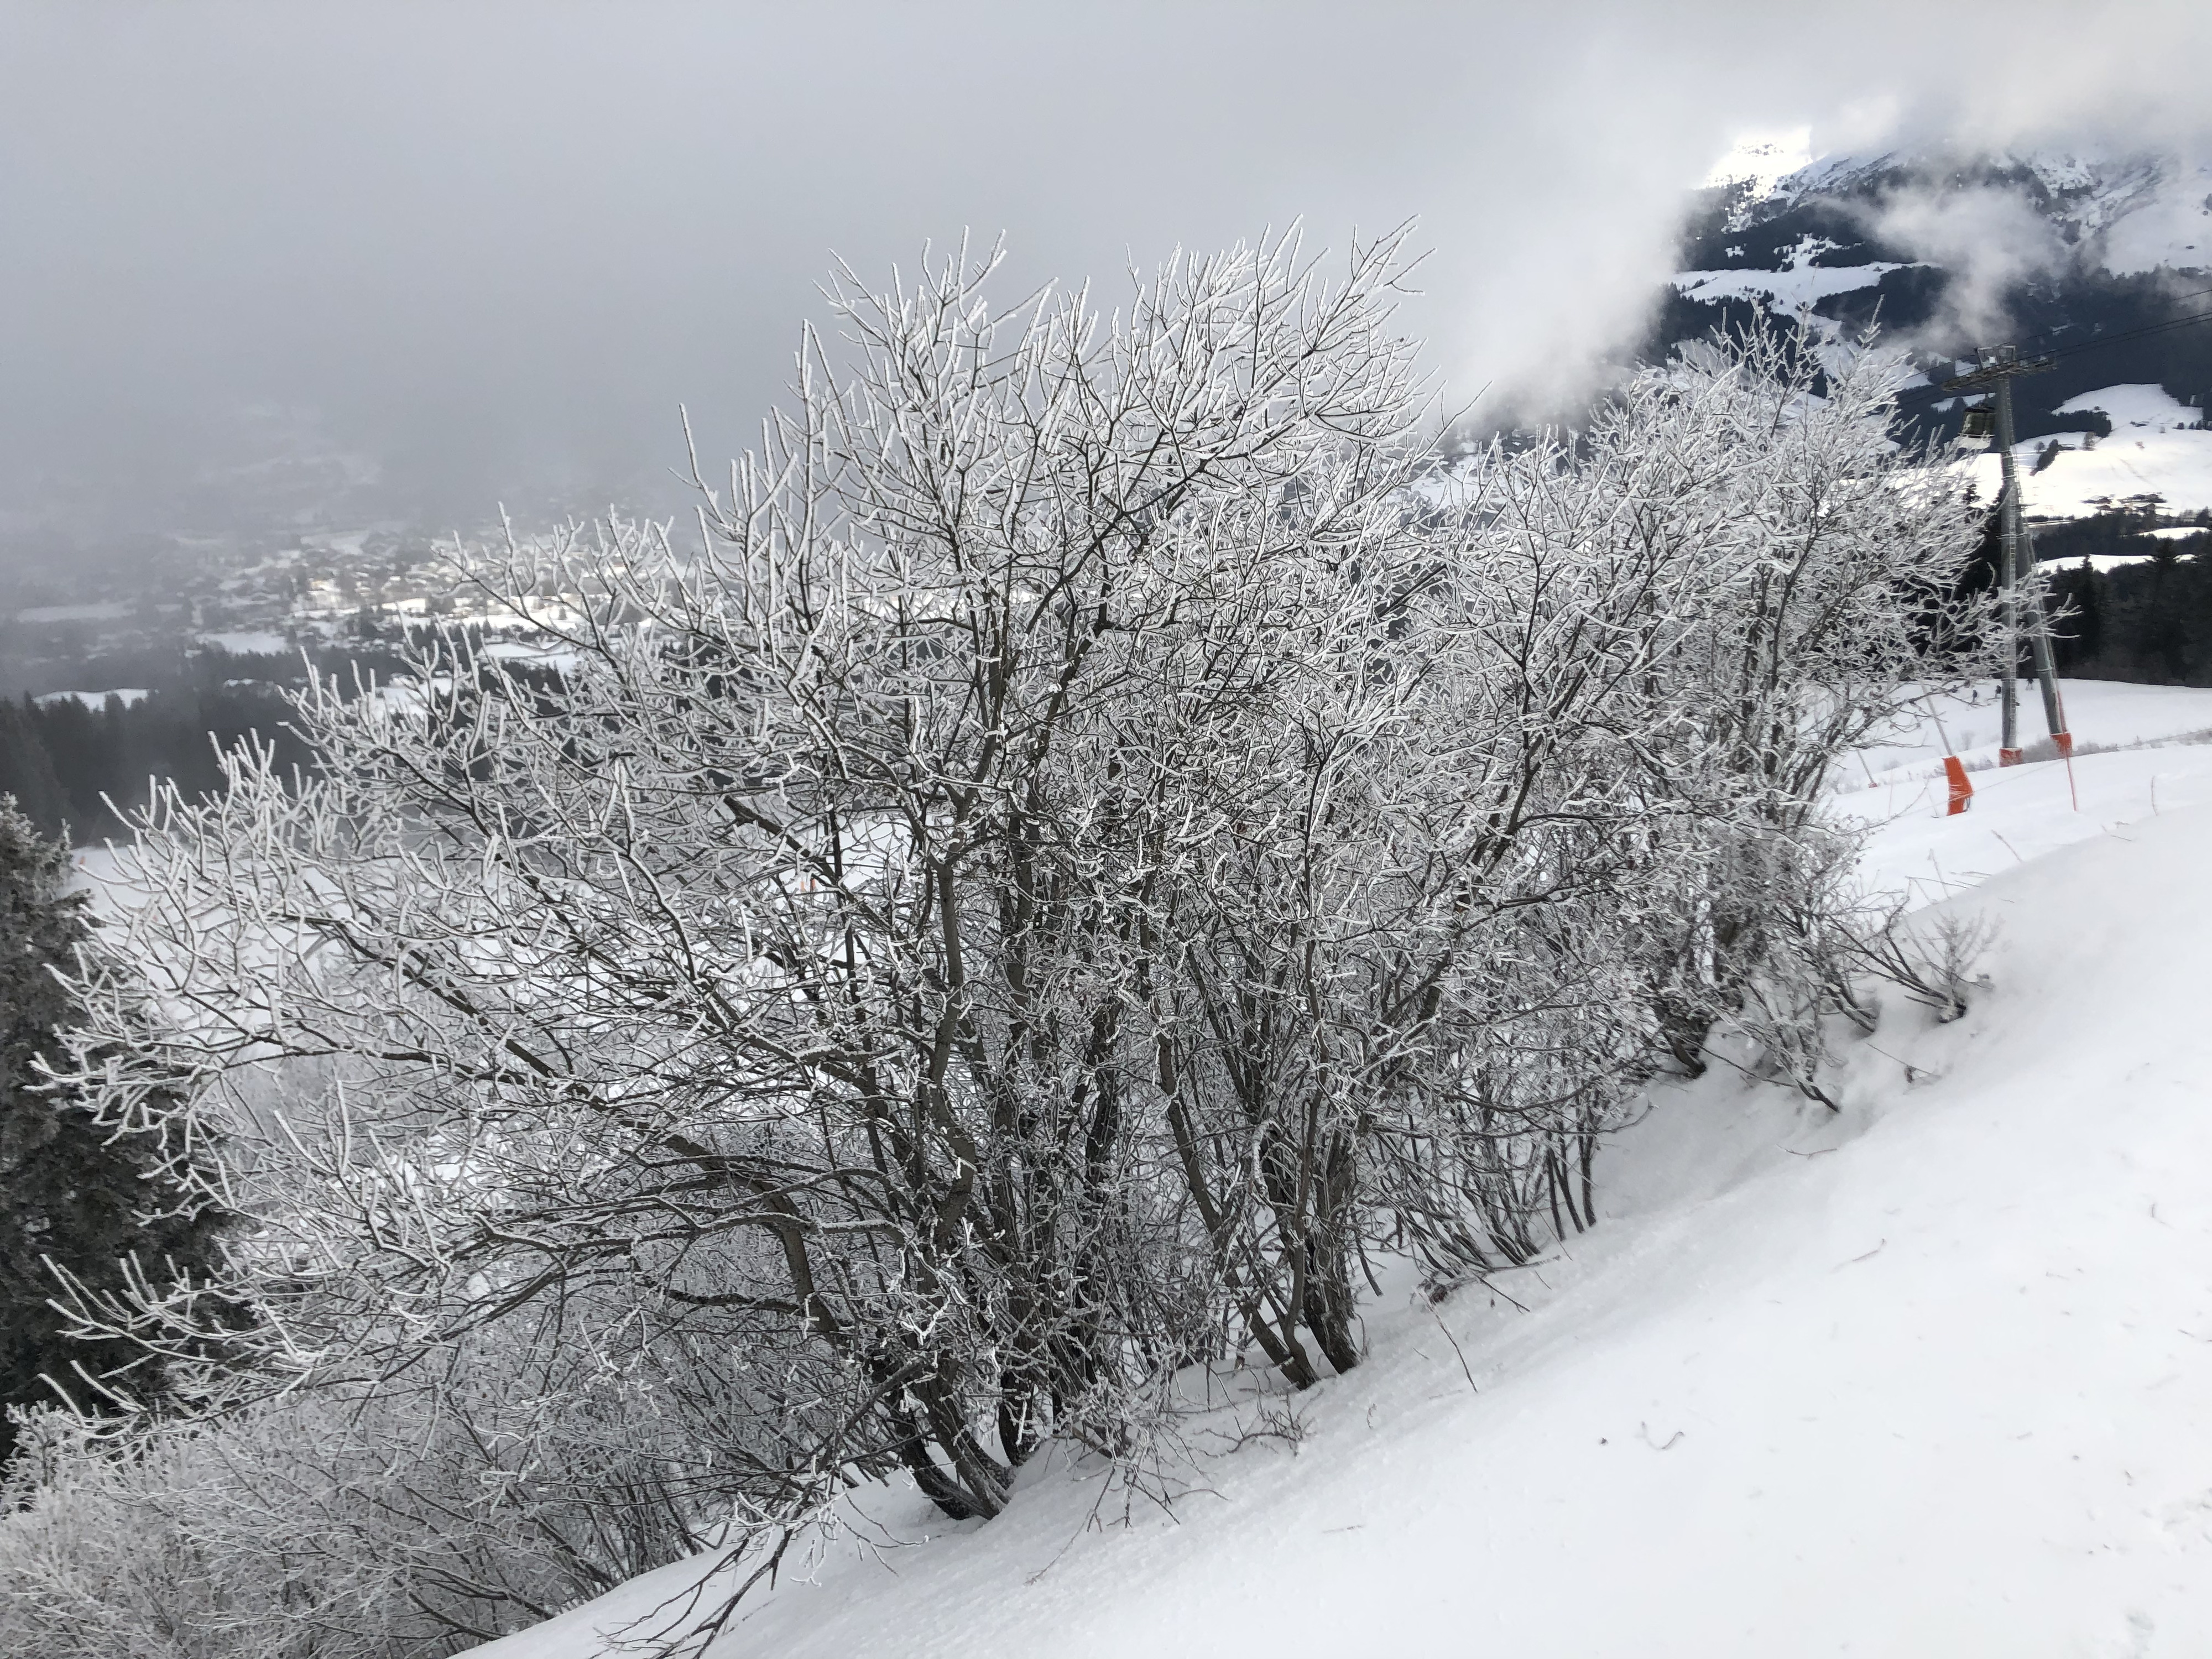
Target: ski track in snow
(1928, 1377)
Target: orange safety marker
(2008, 757)
(1962, 789)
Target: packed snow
(1926, 1376)
(2142, 752)
(2099, 712)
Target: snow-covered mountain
(2068, 255)
(2124, 215)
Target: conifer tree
(72, 1195)
(27, 770)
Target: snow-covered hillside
(2127, 214)
(1929, 1376)
(2101, 261)
(2157, 447)
(1793, 288)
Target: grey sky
(493, 245)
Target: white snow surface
(1795, 288)
(2104, 712)
(249, 643)
(2155, 449)
(2136, 405)
(537, 655)
(2129, 213)
(96, 701)
(2143, 751)
(1928, 1376)
(2167, 223)
(1764, 159)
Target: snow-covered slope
(2157, 447)
(1930, 1376)
(2102, 260)
(2147, 750)
(2126, 213)
(1794, 286)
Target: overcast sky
(492, 247)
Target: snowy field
(129, 695)
(1929, 1376)
(2020, 812)
(2156, 447)
(1795, 288)
(252, 641)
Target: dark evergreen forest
(70, 767)
(79, 771)
(2149, 621)
(75, 1195)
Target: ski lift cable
(2148, 328)
(2172, 298)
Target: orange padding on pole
(2063, 743)
(1962, 791)
(2007, 757)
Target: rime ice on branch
(1099, 832)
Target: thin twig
(1457, 1351)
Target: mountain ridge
(2073, 254)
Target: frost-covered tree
(406, 1521)
(782, 971)
(1098, 834)
(1828, 563)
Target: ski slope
(1931, 1376)
(2143, 753)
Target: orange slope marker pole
(1962, 789)
(2063, 737)
(1954, 769)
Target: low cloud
(493, 246)
(1988, 238)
